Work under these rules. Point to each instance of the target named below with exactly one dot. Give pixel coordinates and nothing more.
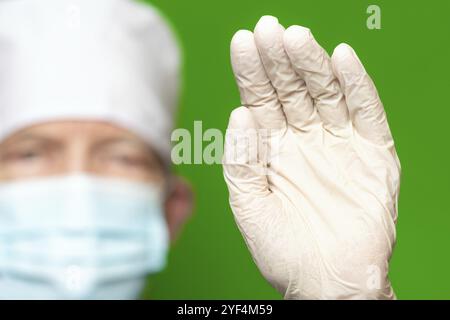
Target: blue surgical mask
(79, 237)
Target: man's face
(96, 148)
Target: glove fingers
(313, 64)
(257, 93)
(244, 173)
(291, 90)
(366, 109)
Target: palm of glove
(320, 220)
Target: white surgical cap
(104, 60)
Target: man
(87, 96)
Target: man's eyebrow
(120, 140)
(26, 136)
(135, 142)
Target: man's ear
(178, 205)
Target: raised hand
(318, 213)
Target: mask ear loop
(169, 185)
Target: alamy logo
(374, 19)
(236, 146)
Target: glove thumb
(243, 172)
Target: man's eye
(27, 155)
(129, 161)
(18, 156)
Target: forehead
(71, 130)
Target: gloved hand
(318, 212)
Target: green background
(408, 60)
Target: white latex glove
(320, 221)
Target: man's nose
(77, 158)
